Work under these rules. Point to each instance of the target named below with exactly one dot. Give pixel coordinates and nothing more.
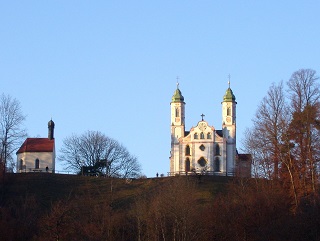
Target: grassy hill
(42, 206)
(48, 188)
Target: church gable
(202, 132)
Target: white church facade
(37, 154)
(205, 149)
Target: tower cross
(178, 82)
(202, 115)
(229, 80)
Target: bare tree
(304, 93)
(303, 89)
(11, 132)
(284, 140)
(99, 153)
(264, 139)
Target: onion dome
(229, 96)
(177, 96)
(51, 123)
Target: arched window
(36, 164)
(187, 167)
(202, 162)
(217, 150)
(209, 135)
(217, 165)
(195, 136)
(21, 164)
(228, 111)
(187, 150)
(201, 135)
(177, 112)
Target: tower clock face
(228, 119)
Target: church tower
(177, 126)
(50, 130)
(229, 129)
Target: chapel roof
(37, 145)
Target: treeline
(285, 138)
(175, 208)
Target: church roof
(244, 157)
(219, 132)
(37, 145)
(229, 96)
(177, 96)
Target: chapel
(204, 149)
(37, 154)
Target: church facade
(205, 149)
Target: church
(205, 149)
(37, 154)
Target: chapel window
(209, 135)
(202, 162)
(228, 111)
(217, 165)
(187, 167)
(21, 164)
(36, 164)
(195, 136)
(201, 135)
(202, 147)
(217, 150)
(177, 112)
(187, 150)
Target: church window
(195, 136)
(201, 135)
(217, 165)
(177, 112)
(209, 135)
(21, 164)
(202, 162)
(228, 111)
(187, 167)
(217, 150)
(202, 147)
(187, 150)
(36, 164)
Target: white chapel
(205, 149)
(37, 154)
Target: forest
(44, 206)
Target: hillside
(41, 206)
(48, 188)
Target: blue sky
(111, 66)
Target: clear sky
(111, 65)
